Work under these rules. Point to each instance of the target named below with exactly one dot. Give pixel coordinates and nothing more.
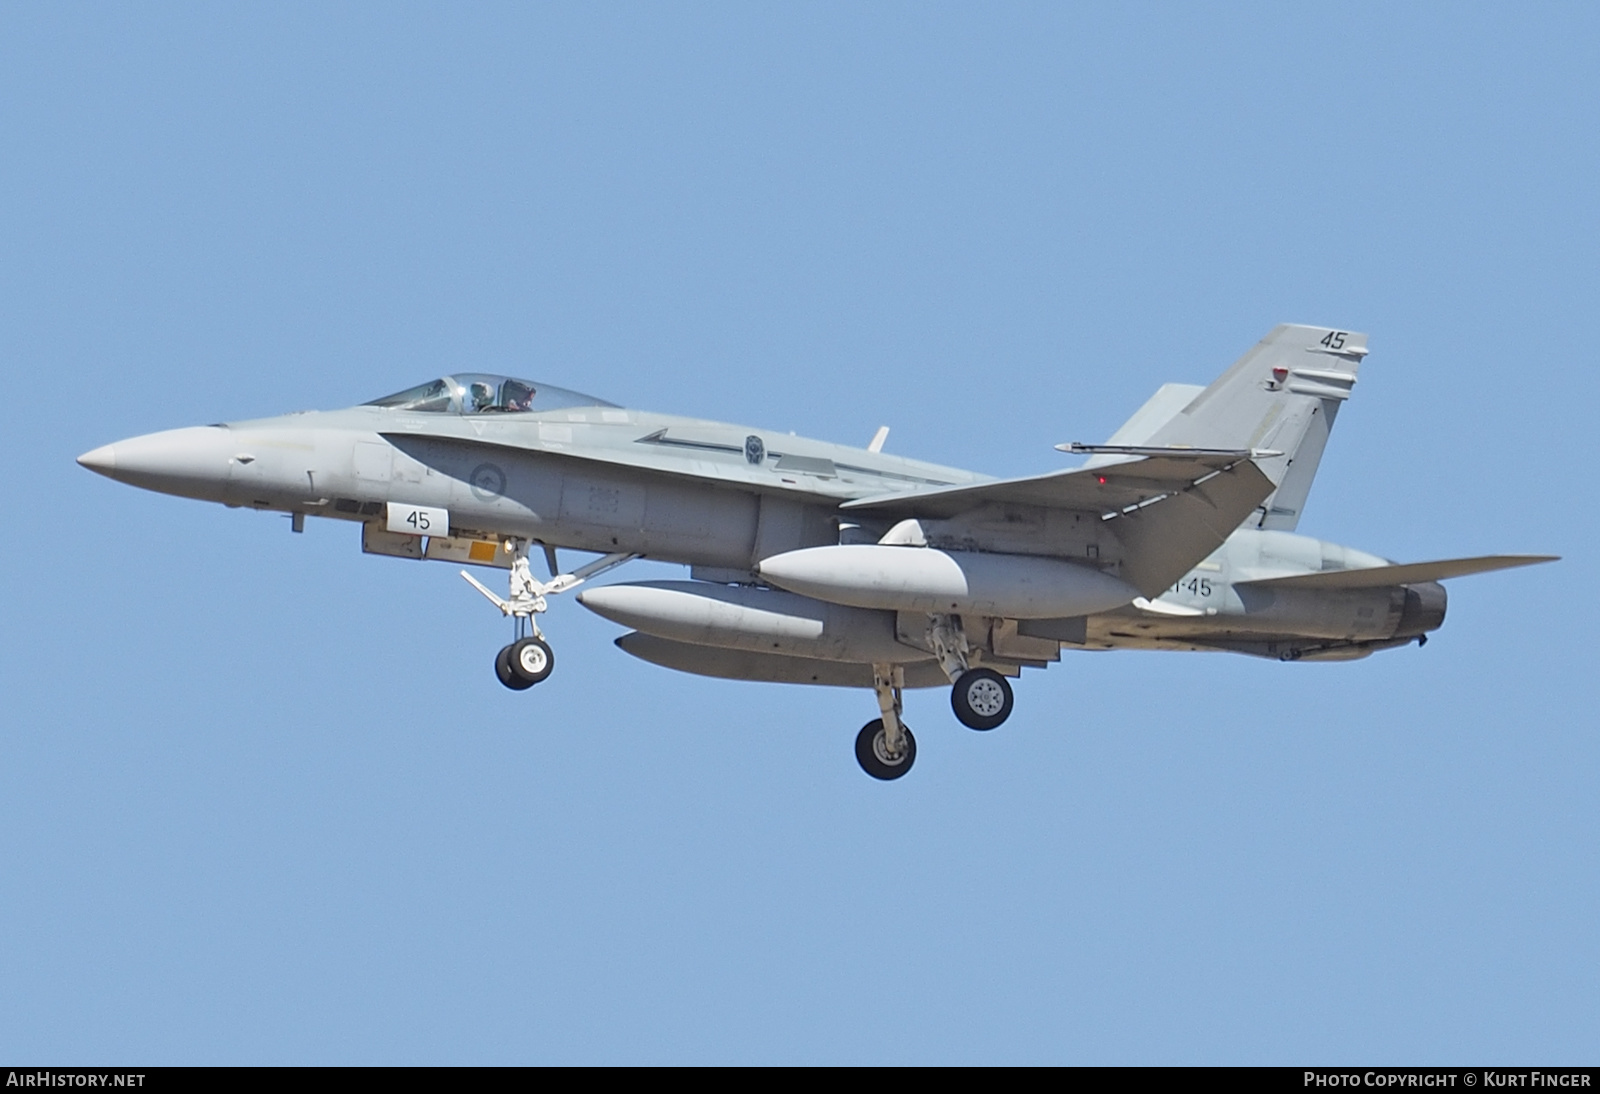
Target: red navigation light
(1101, 479)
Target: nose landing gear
(524, 663)
(529, 660)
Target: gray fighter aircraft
(817, 563)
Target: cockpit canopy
(484, 393)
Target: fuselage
(826, 564)
(589, 478)
(718, 498)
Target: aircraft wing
(1105, 489)
(1170, 510)
(1410, 573)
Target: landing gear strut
(884, 747)
(980, 697)
(528, 660)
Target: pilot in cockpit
(480, 397)
(516, 396)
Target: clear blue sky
(261, 799)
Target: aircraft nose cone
(102, 460)
(189, 462)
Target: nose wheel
(524, 663)
(502, 670)
(529, 659)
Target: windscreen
(434, 397)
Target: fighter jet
(819, 563)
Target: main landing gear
(980, 697)
(877, 758)
(884, 747)
(528, 660)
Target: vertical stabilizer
(1283, 396)
(1157, 411)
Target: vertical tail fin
(1283, 395)
(1157, 411)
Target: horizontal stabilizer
(1408, 574)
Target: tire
(870, 753)
(981, 699)
(502, 671)
(530, 660)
